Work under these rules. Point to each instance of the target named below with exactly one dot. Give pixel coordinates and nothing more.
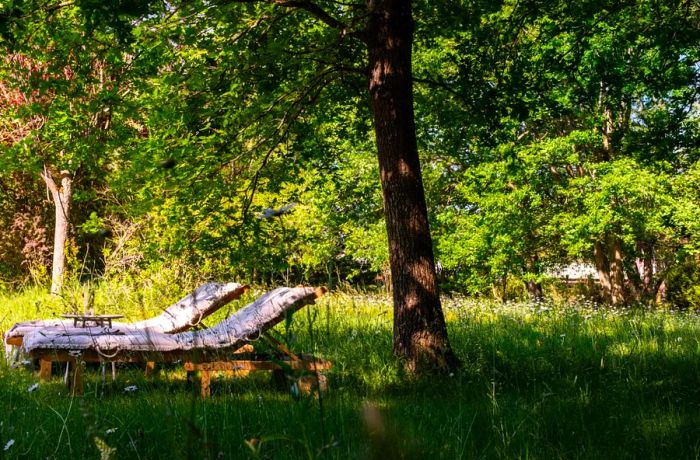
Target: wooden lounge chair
(184, 314)
(188, 312)
(219, 348)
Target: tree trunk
(602, 267)
(645, 268)
(660, 291)
(62, 201)
(420, 334)
(617, 271)
(534, 288)
(609, 264)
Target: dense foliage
(550, 134)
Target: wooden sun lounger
(219, 348)
(184, 314)
(188, 312)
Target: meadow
(539, 380)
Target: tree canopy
(548, 134)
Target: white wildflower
(110, 430)
(130, 389)
(9, 444)
(33, 388)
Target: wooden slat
(14, 341)
(91, 356)
(44, 369)
(205, 383)
(74, 377)
(245, 365)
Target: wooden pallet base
(303, 371)
(311, 380)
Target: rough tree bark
(62, 200)
(420, 334)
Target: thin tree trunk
(62, 200)
(660, 291)
(534, 288)
(504, 287)
(420, 334)
(609, 264)
(608, 123)
(645, 268)
(603, 269)
(617, 272)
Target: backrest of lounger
(253, 319)
(243, 325)
(192, 308)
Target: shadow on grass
(533, 386)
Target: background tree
(65, 82)
(582, 111)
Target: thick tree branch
(50, 183)
(315, 11)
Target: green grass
(538, 381)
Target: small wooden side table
(97, 320)
(84, 321)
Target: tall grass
(538, 381)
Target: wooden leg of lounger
(150, 366)
(75, 377)
(114, 371)
(44, 369)
(313, 384)
(279, 379)
(205, 381)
